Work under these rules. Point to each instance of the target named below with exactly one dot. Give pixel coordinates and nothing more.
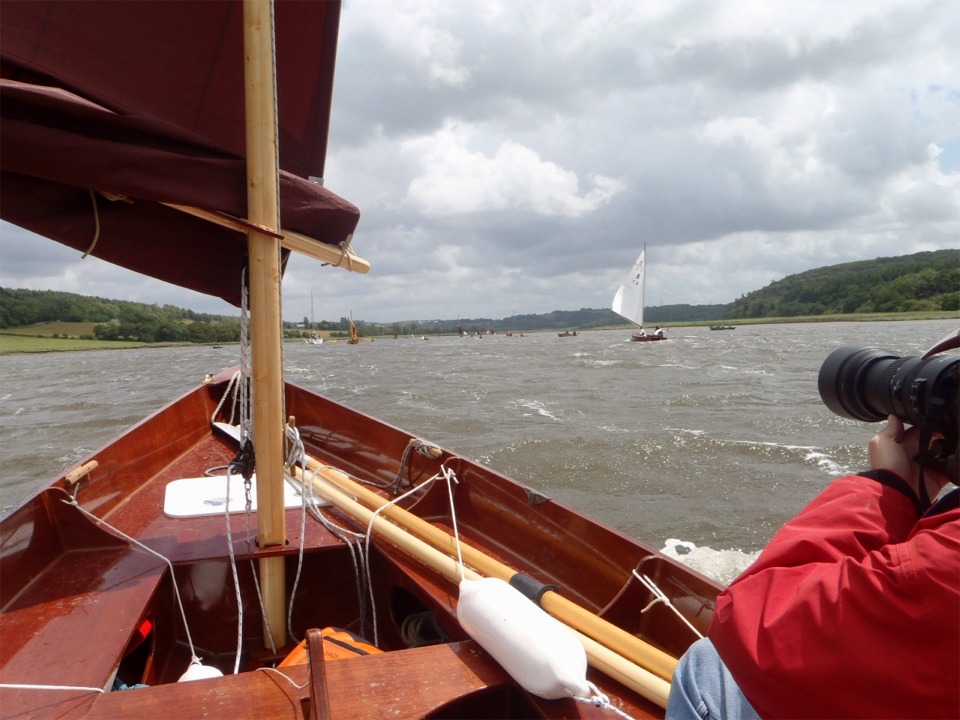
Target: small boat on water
(567, 333)
(723, 327)
(354, 340)
(254, 549)
(628, 301)
(314, 338)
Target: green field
(55, 329)
(55, 337)
(17, 343)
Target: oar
(565, 610)
(637, 678)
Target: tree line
(115, 319)
(922, 281)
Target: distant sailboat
(314, 338)
(628, 300)
(353, 332)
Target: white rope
(176, 589)
(263, 611)
(69, 688)
(659, 596)
(236, 577)
(373, 517)
(297, 456)
(353, 542)
(598, 699)
(231, 392)
(451, 477)
(274, 671)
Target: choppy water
(714, 438)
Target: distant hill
(922, 281)
(587, 318)
(104, 319)
(927, 281)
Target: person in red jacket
(852, 610)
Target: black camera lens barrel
(869, 384)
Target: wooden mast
(264, 283)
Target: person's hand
(896, 449)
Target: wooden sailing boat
(629, 299)
(314, 338)
(353, 332)
(115, 575)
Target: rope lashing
(424, 447)
(346, 253)
(660, 597)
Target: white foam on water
(721, 565)
(537, 407)
(810, 454)
(827, 463)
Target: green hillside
(52, 313)
(927, 281)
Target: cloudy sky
(513, 156)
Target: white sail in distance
(628, 301)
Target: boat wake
(722, 565)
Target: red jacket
(853, 610)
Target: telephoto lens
(870, 384)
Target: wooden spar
(264, 282)
(606, 633)
(290, 240)
(621, 669)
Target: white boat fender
(199, 671)
(537, 650)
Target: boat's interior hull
(110, 608)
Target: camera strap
(935, 411)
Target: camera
(869, 384)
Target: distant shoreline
(15, 341)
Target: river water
(714, 438)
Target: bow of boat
(93, 570)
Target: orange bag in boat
(337, 644)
